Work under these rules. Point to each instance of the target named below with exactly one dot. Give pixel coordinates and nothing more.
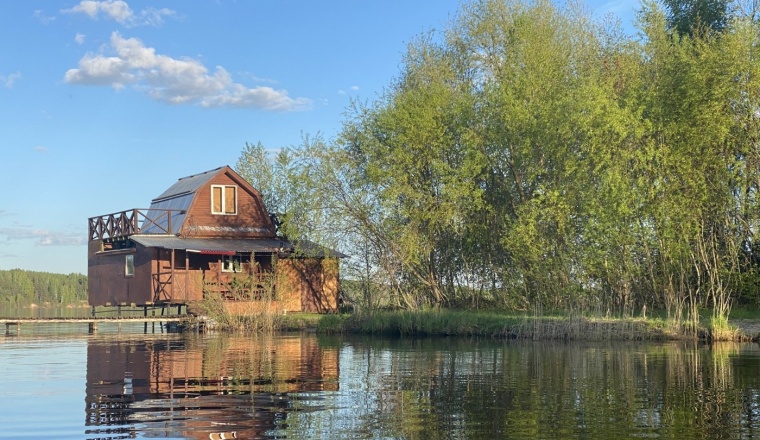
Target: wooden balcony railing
(125, 223)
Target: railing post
(135, 221)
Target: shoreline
(465, 323)
(578, 328)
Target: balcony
(120, 225)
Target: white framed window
(224, 199)
(231, 263)
(129, 266)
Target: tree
(690, 17)
(530, 157)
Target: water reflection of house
(208, 233)
(196, 387)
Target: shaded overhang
(214, 246)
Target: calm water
(58, 382)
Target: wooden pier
(92, 323)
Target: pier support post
(92, 327)
(8, 327)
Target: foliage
(19, 288)
(531, 158)
(687, 17)
(512, 326)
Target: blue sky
(105, 104)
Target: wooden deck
(92, 323)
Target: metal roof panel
(188, 185)
(159, 220)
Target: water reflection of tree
(434, 389)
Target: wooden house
(208, 236)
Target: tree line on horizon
(21, 288)
(530, 157)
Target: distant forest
(22, 288)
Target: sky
(105, 104)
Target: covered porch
(184, 269)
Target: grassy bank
(467, 323)
(263, 322)
(493, 325)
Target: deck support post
(8, 327)
(92, 327)
(171, 277)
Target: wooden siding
(315, 280)
(107, 283)
(308, 285)
(251, 220)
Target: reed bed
(466, 323)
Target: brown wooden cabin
(208, 234)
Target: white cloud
(44, 19)
(352, 88)
(116, 10)
(41, 149)
(174, 81)
(154, 17)
(9, 80)
(79, 38)
(43, 237)
(120, 12)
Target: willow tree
(413, 147)
(529, 156)
(549, 83)
(701, 107)
(482, 151)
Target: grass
(505, 325)
(745, 312)
(518, 326)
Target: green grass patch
(299, 321)
(512, 326)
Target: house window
(224, 199)
(129, 266)
(231, 263)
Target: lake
(58, 382)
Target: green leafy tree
(696, 17)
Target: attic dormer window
(224, 199)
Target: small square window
(231, 263)
(129, 266)
(224, 199)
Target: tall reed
(467, 323)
